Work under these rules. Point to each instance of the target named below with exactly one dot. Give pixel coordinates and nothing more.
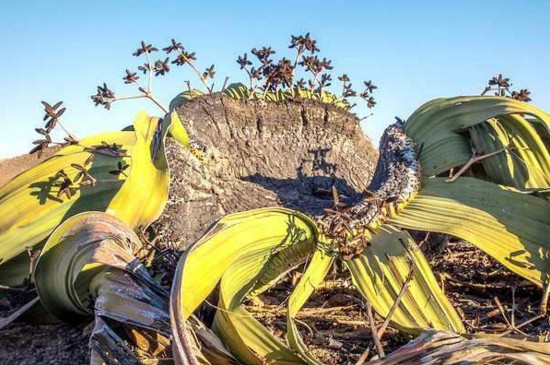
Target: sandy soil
(11, 167)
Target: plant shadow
(311, 190)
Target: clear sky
(413, 50)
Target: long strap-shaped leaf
(231, 237)
(250, 275)
(526, 165)
(312, 278)
(184, 346)
(255, 271)
(30, 209)
(238, 91)
(439, 127)
(92, 256)
(247, 338)
(78, 253)
(183, 98)
(143, 196)
(239, 250)
(380, 273)
(514, 228)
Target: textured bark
(262, 154)
(396, 179)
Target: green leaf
(245, 252)
(247, 338)
(380, 273)
(237, 91)
(31, 208)
(312, 278)
(183, 98)
(526, 165)
(440, 127)
(512, 227)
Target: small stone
(332, 343)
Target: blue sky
(413, 50)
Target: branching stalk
(147, 95)
(474, 159)
(374, 332)
(66, 131)
(150, 73)
(190, 63)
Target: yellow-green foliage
(31, 208)
(239, 91)
(246, 253)
(443, 128)
(496, 207)
(485, 207)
